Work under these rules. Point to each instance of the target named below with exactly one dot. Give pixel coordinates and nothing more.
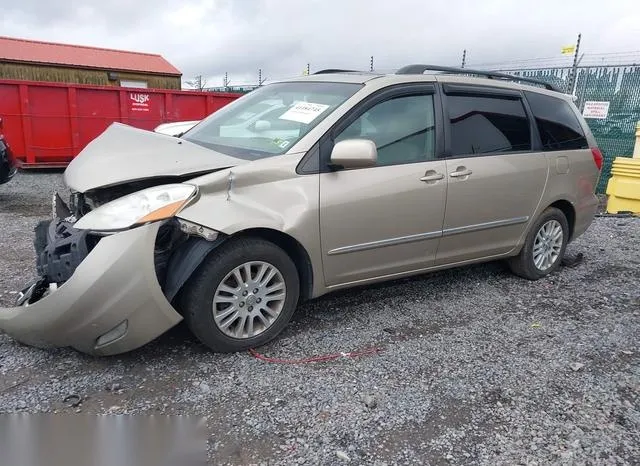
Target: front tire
(242, 296)
(544, 246)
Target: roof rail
(332, 70)
(419, 69)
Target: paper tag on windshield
(303, 112)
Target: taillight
(597, 157)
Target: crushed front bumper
(112, 303)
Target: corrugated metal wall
(47, 124)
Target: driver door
(385, 220)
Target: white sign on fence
(595, 109)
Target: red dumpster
(50, 123)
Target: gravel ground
(477, 366)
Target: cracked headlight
(148, 205)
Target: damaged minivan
(300, 188)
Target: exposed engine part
(169, 239)
(191, 228)
(61, 209)
(60, 248)
(77, 205)
(177, 255)
(33, 292)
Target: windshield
(269, 120)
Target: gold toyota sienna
(300, 188)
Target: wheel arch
(569, 212)
(565, 206)
(294, 249)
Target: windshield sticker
(303, 112)
(281, 143)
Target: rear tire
(226, 305)
(544, 246)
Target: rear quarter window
(557, 123)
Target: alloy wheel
(249, 299)
(547, 245)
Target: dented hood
(123, 154)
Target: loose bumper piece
(111, 304)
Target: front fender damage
(184, 260)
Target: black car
(7, 163)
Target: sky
(238, 37)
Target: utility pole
(371, 64)
(464, 57)
(574, 69)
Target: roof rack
(419, 69)
(332, 70)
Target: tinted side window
(557, 123)
(403, 129)
(485, 125)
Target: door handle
(460, 172)
(432, 177)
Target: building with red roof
(77, 64)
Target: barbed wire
(587, 59)
(607, 59)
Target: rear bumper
(114, 287)
(585, 213)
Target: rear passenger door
(573, 175)
(496, 176)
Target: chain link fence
(620, 86)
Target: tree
(198, 83)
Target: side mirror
(354, 153)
